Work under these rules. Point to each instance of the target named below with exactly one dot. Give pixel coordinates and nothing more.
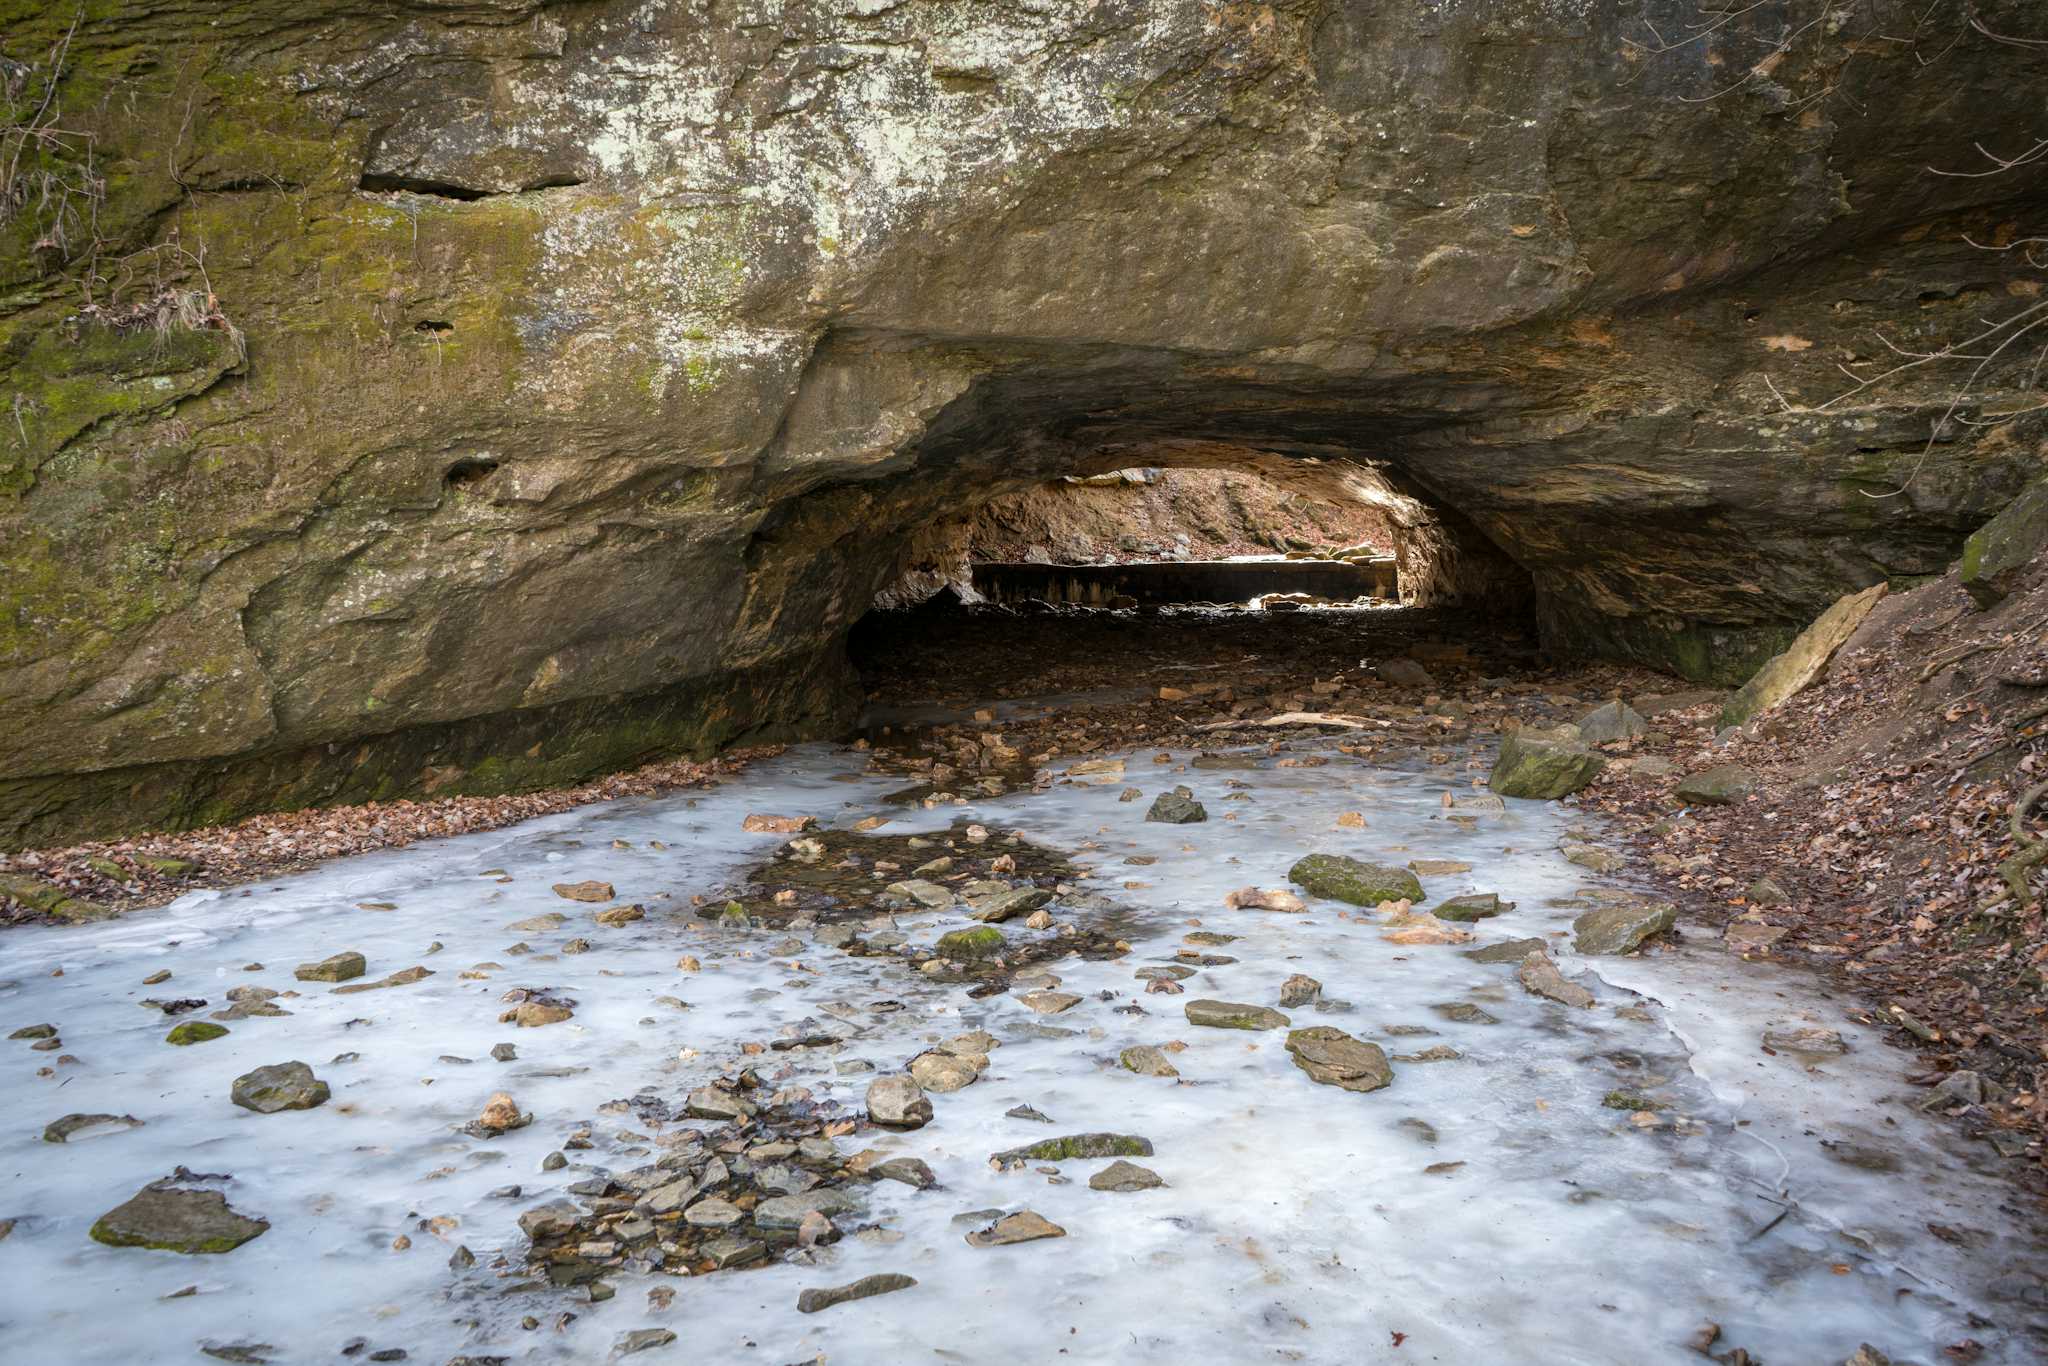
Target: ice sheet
(1299, 1223)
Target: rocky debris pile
(767, 1180)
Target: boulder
(1337, 877)
(1999, 554)
(1334, 1058)
(1543, 764)
(1623, 927)
(1611, 723)
(1177, 807)
(1722, 785)
(280, 1086)
(1785, 676)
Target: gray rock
(555, 1219)
(1543, 764)
(1234, 1015)
(1404, 673)
(1623, 927)
(1613, 722)
(1010, 904)
(1125, 1176)
(942, 1072)
(280, 1086)
(898, 1102)
(1177, 807)
(1804, 1039)
(172, 1218)
(1722, 785)
(788, 1211)
(911, 1171)
(1507, 951)
(883, 1283)
(713, 1212)
(1470, 907)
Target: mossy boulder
(1542, 764)
(1998, 555)
(177, 1219)
(983, 941)
(1338, 878)
(195, 1031)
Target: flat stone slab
(1075, 1147)
(884, 1283)
(1622, 928)
(1021, 1227)
(340, 967)
(1336, 877)
(1125, 1176)
(1234, 1015)
(1334, 1058)
(177, 1219)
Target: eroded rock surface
(676, 337)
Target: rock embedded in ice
(786, 1212)
(340, 967)
(1024, 1226)
(762, 824)
(591, 890)
(640, 1340)
(983, 941)
(1257, 899)
(911, 1171)
(170, 1218)
(1804, 1039)
(924, 893)
(1299, 990)
(539, 924)
(943, 1072)
(1125, 1176)
(896, 1101)
(1073, 1147)
(1048, 1002)
(1010, 904)
(1334, 1058)
(620, 915)
(1623, 927)
(1507, 951)
(1146, 1061)
(1539, 976)
(501, 1114)
(279, 1086)
(882, 1283)
(195, 1031)
(1177, 807)
(1463, 1012)
(1336, 877)
(71, 1126)
(1470, 907)
(404, 977)
(1234, 1015)
(1438, 867)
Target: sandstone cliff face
(455, 396)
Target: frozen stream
(1487, 1209)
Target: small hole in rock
(464, 473)
(433, 325)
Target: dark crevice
(439, 189)
(467, 473)
(433, 325)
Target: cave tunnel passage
(1085, 584)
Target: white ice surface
(1298, 1223)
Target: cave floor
(687, 998)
